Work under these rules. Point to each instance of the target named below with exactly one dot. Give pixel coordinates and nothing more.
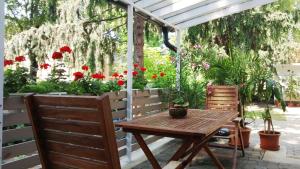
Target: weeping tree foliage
(256, 29)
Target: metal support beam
(1, 73)
(129, 75)
(178, 59)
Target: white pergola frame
(177, 14)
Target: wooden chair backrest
(73, 131)
(222, 98)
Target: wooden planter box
(19, 149)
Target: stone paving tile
(252, 160)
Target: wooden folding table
(195, 130)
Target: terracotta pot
(246, 137)
(269, 141)
(291, 104)
(277, 103)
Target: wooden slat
(72, 126)
(121, 143)
(84, 114)
(143, 110)
(76, 139)
(222, 102)
(19, 149)
(74, 150)
(223, 98)
(15, 117)
(67, 101)
(119, 114)
(75, 162)
(23, 163)
(13, 103)
(117, 95)
(224, 94)
(17, 134)
(120, 134)
(147, 100)
(118, 105)
(229, 90)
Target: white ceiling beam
(177, 7)
(160, 5)
(147, 3)
(203, 10)
(224, 12)
(152, 16)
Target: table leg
(180, 152)
(147, 151)
(214, 158)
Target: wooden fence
(19, 149)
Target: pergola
(175, 14)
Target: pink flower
(205, 65)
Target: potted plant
(291, 91)
(178, 105)
(269, 138)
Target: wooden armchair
(225, 98)
(73, 132)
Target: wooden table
(195, 130)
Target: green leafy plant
(271, 87)
(14, 80)
(291, 91)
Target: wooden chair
(73, 131)
(225, 98)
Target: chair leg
(236, 135)
(241, 140)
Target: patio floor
(287, 158)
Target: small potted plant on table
(177, 105)
(269, 138)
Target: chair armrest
(237, 120)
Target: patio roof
(182, 14)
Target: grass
(255, 112)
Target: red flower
(115, 75)
(65, 49)
(154, 76)
(143, 69)
(125, 72)
(98, 76)
(136, 65)
(44, 66)
(162, 74)
(121, 76)
(134, 73)
(78, 75)
(20, 59)
(121, 82)
(8, 62)
(85, 68)
(57, 55)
